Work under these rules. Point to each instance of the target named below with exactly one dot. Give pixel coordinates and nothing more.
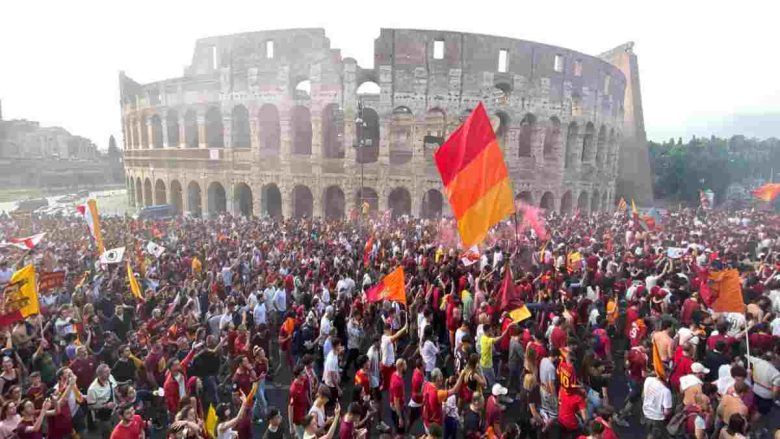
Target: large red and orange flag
(476, 179)
(391, 288)
(90, 213)
(768, 192)
(726, 291)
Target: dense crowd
(235, 310)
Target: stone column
(382, 202)
(227, 131)
(149, 137)
(317, 143)
(418, 197)
(201, 130)
(182, 132)
(385, 137)
(257, 199)
(350, 154)
(287, 201)
(204, 198)
(318, 206)
(286, 139)
(164, 123)
(185, 196)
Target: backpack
(678, 424)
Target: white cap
(699, 368)
(499, 390)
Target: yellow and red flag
(20, 297)
(768, 192)
(391, 288)
(475, 177)
(134, 288)
(90, 213)
(726, 291)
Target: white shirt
(459, 334)
(657, 398)
(280, 300)
(325, 328)
(331, 367)
(259, 314)
(765, 376)
(387, 349)
(775, 326)
(736, 323)
(428, 353)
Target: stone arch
(194, 199)
(157, 132)
(594, 201)
(148, 200)
(369, 196)
(334, 203)
(144, 132)
(302, 89)
(501, 93)
(191, 139)
(526, 137)
(571, 144)
(139, 192)
(176, 196)
(432, 204)
(300, 130)
(172, 127)
(582, 202)
(242, 193)
(369, 152)
(526, 197)
(552, 137)
(333, 132)
(217, 199)
(270, 130)
(401, 143)
(302, 202)
(566, 203)
(399, 202)
(548, 201)
(368, 88)
(240, 136)
(601, 147)
(271, 201)
(436, 122)
(215, 131)
(588, 151)
(159, 192)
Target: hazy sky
(701, 62)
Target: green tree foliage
(681, 170)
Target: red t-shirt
(762, 342)
(418, 379)
(566, 377)
(632, 314)
(569, 405)
(713, 339)
(362, 379)
(637, 332)
(608, 433)
(84, 369)
(397, 389)
(558, 337)
(432, 399)
(637, 363)
(131, 431)
(682, 368)
(299, 399)
(492, 412)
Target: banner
(27, 243)
(113, 256)
(20, 297)
(155, 249)
(391, 288)
(51, 280)
(90, 213)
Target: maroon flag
(510, 297)
(51, 280)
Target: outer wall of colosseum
(263, 123)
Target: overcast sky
(702, 63)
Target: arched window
(527, 129)
(239, 132)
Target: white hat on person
(499, 390)
(699, 368)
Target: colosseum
(277, 123)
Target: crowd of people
(261, 328)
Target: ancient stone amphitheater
(278, 123)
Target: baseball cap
(499, 390)
(699, 368)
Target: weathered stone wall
(252, 131)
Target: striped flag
(622, 206)
(475, 177)
(90, 213)
(27, 243)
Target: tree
(113, 151)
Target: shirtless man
(662, 340)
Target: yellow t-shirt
(486, 351)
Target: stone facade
(263, 123)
